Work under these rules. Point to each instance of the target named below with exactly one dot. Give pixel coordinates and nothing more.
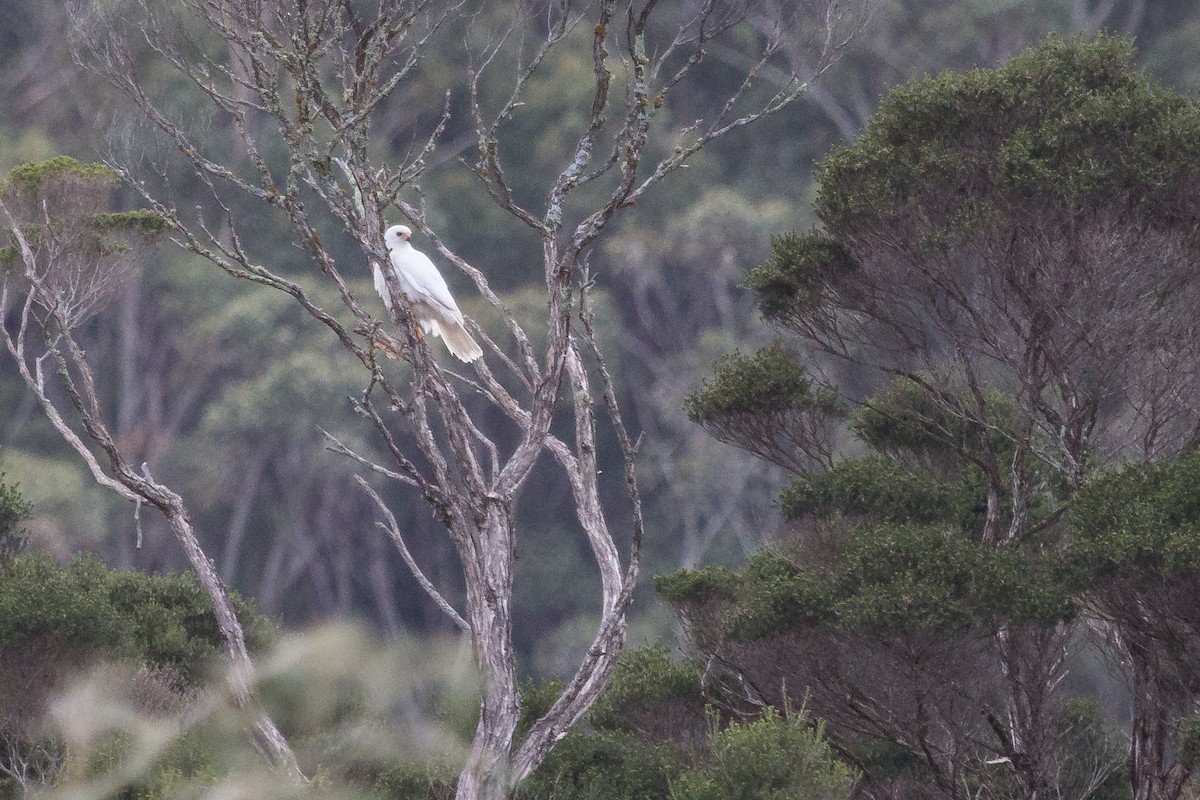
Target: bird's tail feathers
(458, 340)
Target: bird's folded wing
(382, 288)
(428, 283)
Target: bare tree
(72, 269)
(308, 81)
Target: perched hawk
(428, 296)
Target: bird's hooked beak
(405, 236)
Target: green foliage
(1187, 741)
(184, 767)
(162, 621)
(33, 176)
(623, 756)
(877, 489)
(776, 757)
(771, 381)
(40, 600)
(1072, 124)
(907, 421)
(693, 586)
(884, 578)
(171, 622)
(1138, 522)
(901, 577)
(772, 758)
(415, 781)
(911, 577)
(800, 270)
(143, 221)
(909, 559)
(536, 700)
(767, 404)
(71, 193)
(774, 595)
(649, 691)
(609, 765)
(13, 511)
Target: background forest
(223, 390)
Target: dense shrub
(775, 757)
(162, 621)
(56, 621)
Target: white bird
(429, 298)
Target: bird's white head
(395, 235)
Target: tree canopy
(1000, 290)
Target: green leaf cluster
(607, 765)
(162, 621)
(801, 269)
(650, 691)
(1066, 131)
(694, 586)
(41, 600)
(771, 381)
(415, 781)
(1139, 523)
(887, 578)
(609, 757)
(536, 700)
(908, 423)
(891, 540)
(14, 510)
(875, 488)
(72, 195)
(775, 757)
(34, 176)
(917, 578)
(148, 224)
(1070, 123)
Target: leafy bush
(697, 585)
(802, 267)
(421, 781)
(914, 578)
(769, 381)
(162, 621)
(13, 511)
(654, 696)
(609, 765)
(536, 699)
(775, 757)
(55, 621)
